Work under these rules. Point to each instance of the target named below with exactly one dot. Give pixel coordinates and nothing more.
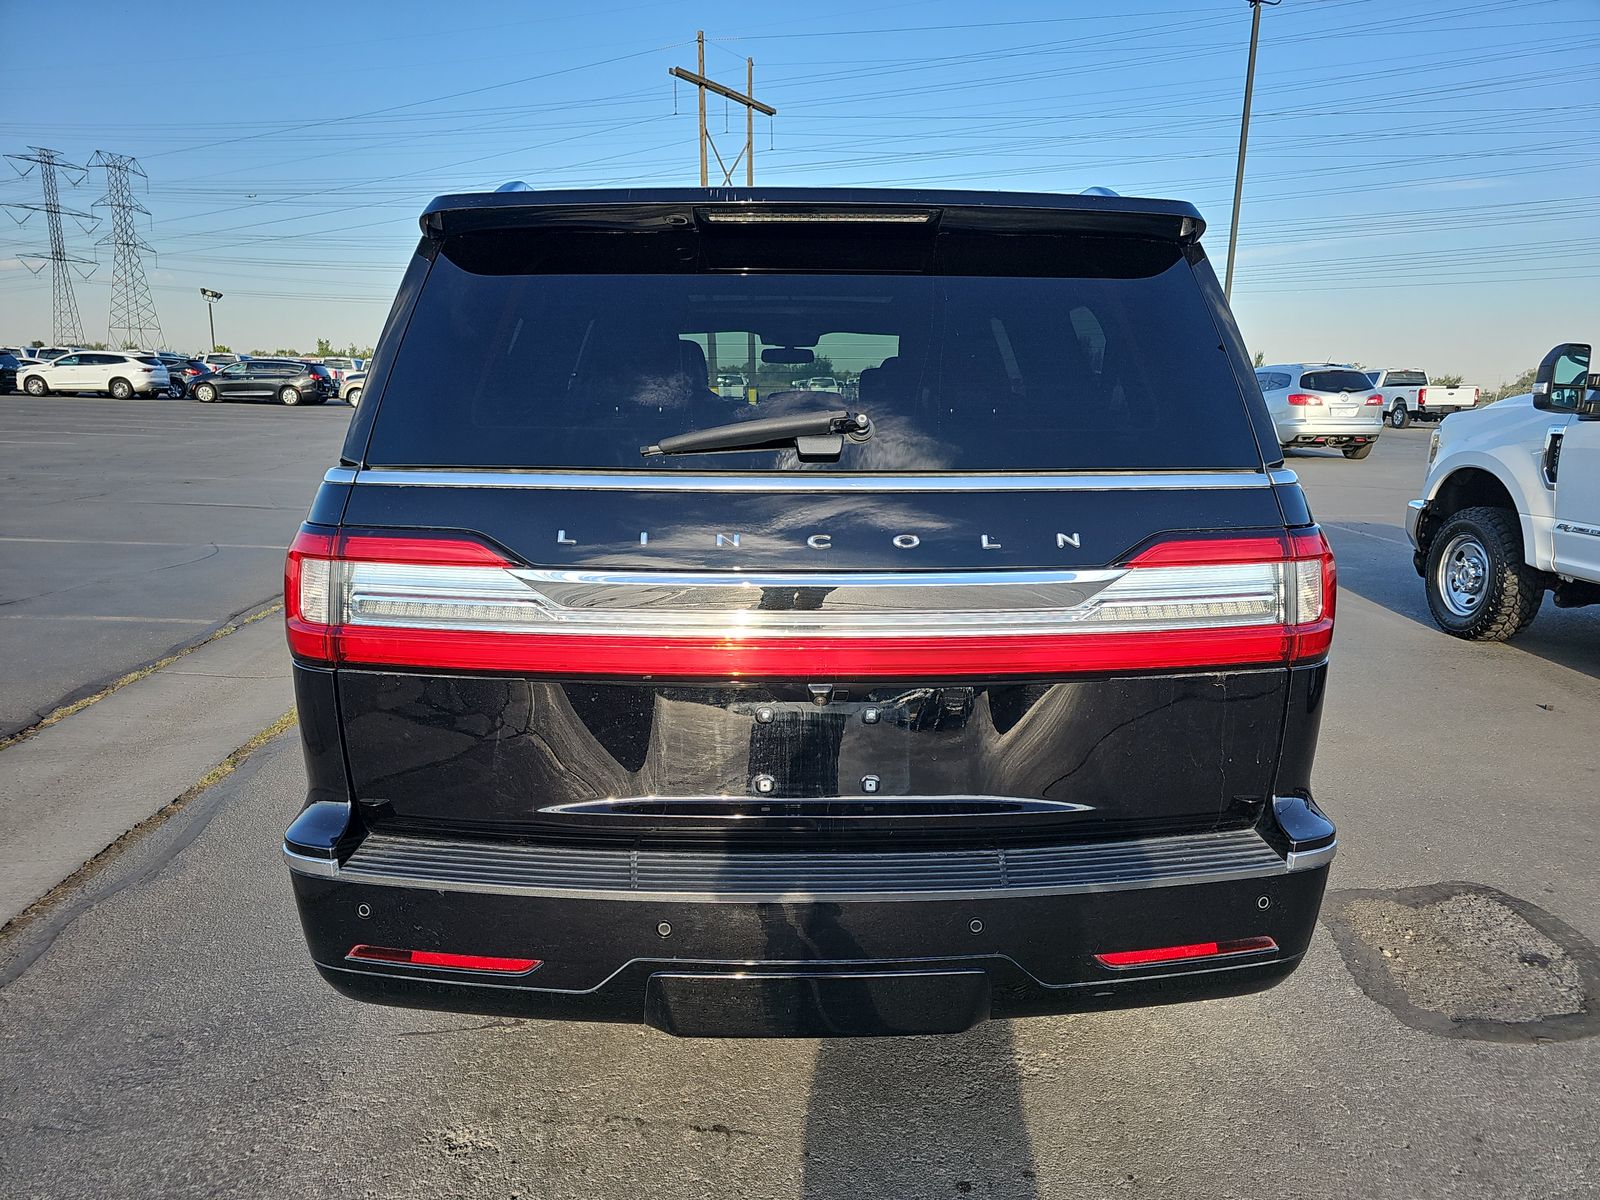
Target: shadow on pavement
(1375, 563)
(914, 1117)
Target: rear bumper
(808, 945)
(1325, 432)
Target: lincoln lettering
(725, 540)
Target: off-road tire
(1512, 591)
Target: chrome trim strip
(810, 481)
(1307, 860)
(883, 807)
(1282, 476)
(304, 864)
(1134, 865)
(340, 475)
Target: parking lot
(162, 1033)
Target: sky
(1422, 188)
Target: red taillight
(1300, 399)
(1422, 396)
(454, 603)
(1375, 398)
(1168, 954)
(438, 958)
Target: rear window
(1405, 379)
(1335, 380)
(1066, 358)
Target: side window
(68, 360)
(232, 370)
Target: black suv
(985, 683)
(285, 380)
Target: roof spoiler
(516, 206)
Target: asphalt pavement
(129, 528)
(161, 1032)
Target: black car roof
(996, 211)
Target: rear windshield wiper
(816, 437)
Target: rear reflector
(389, 599)
(1167, 954)
(437, 958)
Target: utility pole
(1244, 137)
(751, 104)
(211, 312)
(66, 327)
(133, 309)
(751, 107)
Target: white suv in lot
(1322, 404)
(119, 375)
(1510, 508)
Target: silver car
(1323, 404)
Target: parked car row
(206, 378)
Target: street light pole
(211, 312)
(1244, 138)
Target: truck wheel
(1399, 418)
(1359, 452)
(1479, 588)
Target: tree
(1445, 380)
(222, 349)
(325, 348)
(1519, 386)
(36, 343)
(1261, 358)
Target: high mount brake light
(451, 602)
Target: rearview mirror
(1558, 385)
(788, 354)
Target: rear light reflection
(438, 958)
(1167, 954)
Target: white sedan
(120, 375)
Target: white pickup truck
(1510, 508)
(1408, 396)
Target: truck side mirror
(1558, 385)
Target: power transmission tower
(751, 107)
(66, 328)
(133, 309)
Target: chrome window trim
(802, 481)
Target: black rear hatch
(1048, 594)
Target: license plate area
(865, 1004)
